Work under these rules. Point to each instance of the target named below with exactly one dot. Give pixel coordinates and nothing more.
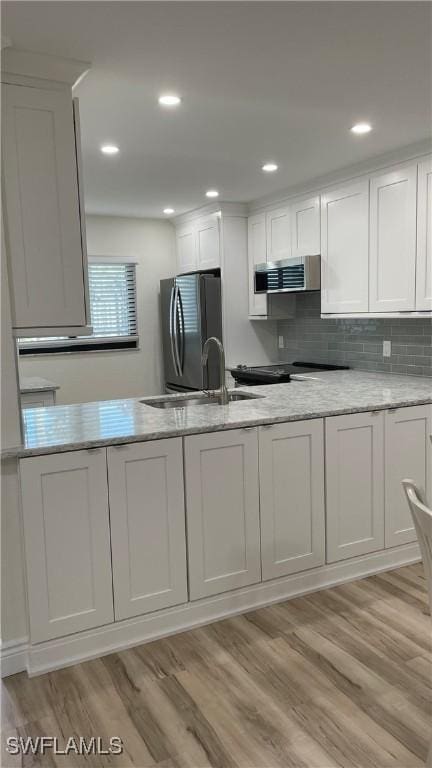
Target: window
(112, 289)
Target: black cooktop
(279, 373)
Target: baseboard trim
(13, 656)
(74, 649)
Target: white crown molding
(40, 66)
(345, 174)
(65, 651)
(226, 209)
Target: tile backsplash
(357, 343)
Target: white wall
(126, 373)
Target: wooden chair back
(422, 517)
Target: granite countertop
(109, 422)
(36, 384)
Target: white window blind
(113, 312)
(113, 300)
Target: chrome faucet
(222, 392)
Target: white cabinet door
(306, 226)
(207, 242)
(278, 225)
(148, 535)
(37, 399)
(67, 542)
(41, 198)
(393, 240)
(408, 455)
(222, 511)
(256, 255)
(344, 248)
(424, 236)
(187, 258)
(291, 458)
(354, 484)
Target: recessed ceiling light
(212, 193)
(361, 128)
(168, 211)
(109, 149)
(169, 100)
(269, 167)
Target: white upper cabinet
(207, 242)
(354, 484)
(291, 458)
(198, 244)
(392, 280)
(222, 510)
(424, 236)
(187, 258)
(344, 248)
(408, 455)
(305, 226)
(148, 536)
(45, 241)
(67, 542)
(278, 226)
(257, 254)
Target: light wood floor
(342, 677)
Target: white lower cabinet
(222, 511)
(408, 455)
(148, 535)
(106, 531)
(354, 484)
(291, 458)
(38, 399)
(67, 542)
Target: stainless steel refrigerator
(191, 312)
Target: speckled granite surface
(36, 384)
(110, 422)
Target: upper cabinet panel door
(187, 260)
(278, 234)
(147, 526)
(292, 497)
(42, 208)
(408, 454)
(207, 238)
(393, 240)
(256, 255)
(424, 236)
(306, 227)
(222, 503)
(354, 484)
(67, 542)
(344, 248)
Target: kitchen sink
(200, 399)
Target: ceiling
(280, 81)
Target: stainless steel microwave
(302, 273)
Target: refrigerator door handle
(171, 328)
(175, 332)
(182, 332)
